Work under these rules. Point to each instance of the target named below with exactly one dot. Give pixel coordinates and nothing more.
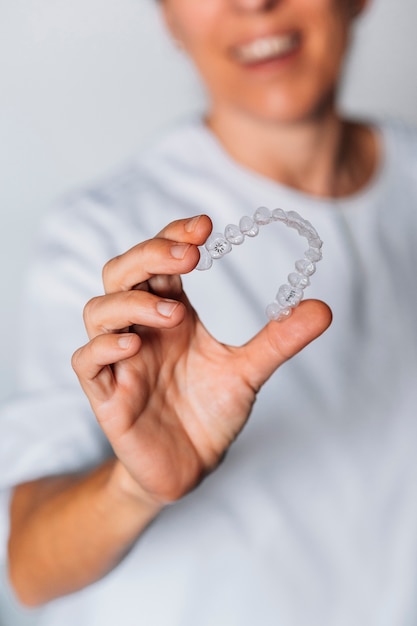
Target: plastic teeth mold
(290, 294)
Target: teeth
(266, 48)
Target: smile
(267, 48)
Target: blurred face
(277, 60)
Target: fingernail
(179, 250)
(192, 223)
(166, 307)
(124, 341)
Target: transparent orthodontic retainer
(290, 294)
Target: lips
(267, 48)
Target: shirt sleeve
(45, 433)
(48, 428)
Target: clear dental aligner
(290, 294)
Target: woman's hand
(169, 397)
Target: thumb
(279, 341)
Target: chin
(292, 108)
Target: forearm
(68, 532)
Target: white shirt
(312, 517)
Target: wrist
(128, 491)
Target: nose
(254, 5)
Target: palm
(169, 418)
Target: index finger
(172, 251)
(192, 230)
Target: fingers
(279, 341)
(165, 285)
(91, 362)
(192, 230)
(173, 251)
(110, 313)
(143, 285)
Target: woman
(309, 517)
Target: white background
(84, 82)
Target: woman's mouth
(268, 48)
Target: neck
(326, 156)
